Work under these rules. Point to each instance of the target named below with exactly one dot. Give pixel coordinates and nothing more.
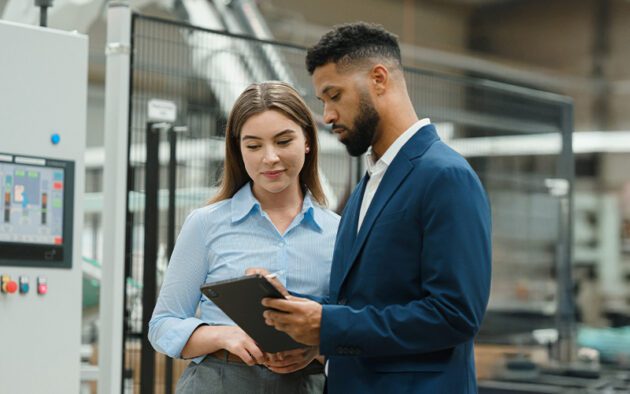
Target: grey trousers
(217, 376)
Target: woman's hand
(236, 341)
(291, 360)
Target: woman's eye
(284, 142)
(252, 147)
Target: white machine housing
(43, 92)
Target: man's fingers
(286, 369)
(272, 318)
(294, 360)
(276, 283)
(300, 318)
(279, 304)
(279, 326)
(281, 322)
(294, 352)
(287, 360)
(285, 363)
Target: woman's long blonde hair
(255, 99)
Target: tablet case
(240, 298)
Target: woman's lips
(273, 174)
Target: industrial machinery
(43, 79)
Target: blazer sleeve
(318, 299)
(455, 266)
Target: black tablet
(240, 298)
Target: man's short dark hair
(352, 43)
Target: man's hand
(291, 360)
(299, 317)
(270, 277)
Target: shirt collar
(244, 203)
(391, 152)
(311, 215)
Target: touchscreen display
(36, 211)
(31, 207)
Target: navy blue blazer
(409, 291)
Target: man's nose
(330, 116)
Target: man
(410, 275)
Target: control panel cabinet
(43, 94)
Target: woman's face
(273, 148)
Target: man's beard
(363, 132)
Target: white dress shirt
(377, 169)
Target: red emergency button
(9, 287)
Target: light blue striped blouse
(220, 241)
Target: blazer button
(342, 301)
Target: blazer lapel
(347, 237)
(354, 207)
(394, 176)
(396, 173)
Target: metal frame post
(170, 236)
(115, 197)
(151, 243)
(566, 352)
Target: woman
(268, 213)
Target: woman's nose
(270, 155)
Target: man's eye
(335, 97)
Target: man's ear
(380, 79)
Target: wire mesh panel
(492, 124)
(519, 142)
(202, 72)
